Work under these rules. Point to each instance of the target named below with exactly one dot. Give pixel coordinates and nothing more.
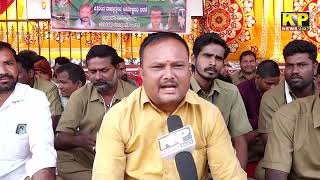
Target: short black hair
(103, 51)
(120, 60)
(206, 39)
(155, 38)
(4, 45)
(38, 58)
(61, 60)
(75, 72)
(26, 63)
(300, 46)
(247, 53)
(268, 68)
(28, 55)
(156, 8)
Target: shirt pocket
(19, 146)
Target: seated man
(267, 76)
(127, 146)
(209, 54)
(26, 145)
(122, 72)
(292, 151)
(42, 68)
(82, 117)
(27, 76)
(70, 77)
(59, 61)
(247, 70)
(300, 58)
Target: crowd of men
(64, 124)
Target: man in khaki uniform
(27, 76)
(83, 114)
(292, 151)
(300, 66)
(248, 64)
(209, 53)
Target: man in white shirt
(26, 143)
(85, 14)
(156, 14)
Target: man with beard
(247, 70)
(85, 13)
(122, 72)
(83, 114)
(209, 53)
(26, 144)
(300, 67)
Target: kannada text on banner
(119, 15)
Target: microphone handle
(186, 167)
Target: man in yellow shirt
(127, 146)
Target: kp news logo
(295, 21)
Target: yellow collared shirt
(127, 146)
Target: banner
(119, 15)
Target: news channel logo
(295, 21)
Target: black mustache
(5, 76)
(100, 83)
(211, 68)
(296, 77)
(168, 81)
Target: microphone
(179, 144)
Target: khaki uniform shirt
(237, 77)
(127, 145)
(294, 140)
(52, 94)
(84, 113)
(227, 98)
(271, 101)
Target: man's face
(102, 73)
(264, 84)
(25, 77)
(248, 64)
(65, 84)
(210, 61)
(122, 72)
(166, 72)
(8, 71)
(155, 18)
(85, 13)
(299, 70)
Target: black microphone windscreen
(186, 166)
(174, 122)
